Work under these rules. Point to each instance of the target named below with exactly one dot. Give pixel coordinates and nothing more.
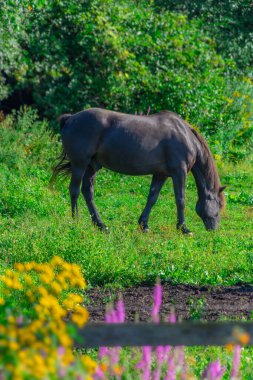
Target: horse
(162, 145)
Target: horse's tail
(63, 167)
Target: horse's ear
(222, 188)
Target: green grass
(41, 227)
(35, 222)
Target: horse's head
(209, 208)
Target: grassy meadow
(35, 220)
(193, 58)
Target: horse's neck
(200, 176)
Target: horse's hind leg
(155, 188)
(88, 193)
(74, 187)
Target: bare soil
(189, 302)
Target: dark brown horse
(163, 145)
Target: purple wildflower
(171, 372)
(181, 364)
(172, 317)
(120, 311)
(160, 354)
(60, 350)
(99, 374)
(62, 372)
(214, 371)
(236, 362)
(20, 320)
(157, 302)
(145, 362)
(102, 352)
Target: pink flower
(145, 362)
(171, 372)
(120, 310)
(157, 302)
(62, 372)
(172, 317)
(214, 371)
(60, 350)
(99, 374)
(236, 362)
(102, 352)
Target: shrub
(229, 22)
(123, 56)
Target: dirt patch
(189, 302)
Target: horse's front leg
(155, 188)
(179, 180)
(88, 193)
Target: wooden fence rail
(188, 333)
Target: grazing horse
(162, 144)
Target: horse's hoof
(144, 228)
(184, 230)
(188, 233)
(103, 228)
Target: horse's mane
(209, 168)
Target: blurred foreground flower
(38, 319)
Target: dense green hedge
(63, 56)
(230, 22)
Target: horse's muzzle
(211, 224)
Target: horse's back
(129, 144)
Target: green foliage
(66, 55)
(27, 150)
(35, 221)
(229, 22)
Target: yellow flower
(13, 345)
(29, 266)
(11, 319)
(117, 370)
(230, 347)
(72, 300)
(65, 340)
(28, 279)
(61, 281)
(68, 357)
(56, 287)
(19, 267)
(104, 367)
(30, 295)
(80, 316)
(244, 338)
(56, 261)
(47, 328)
(89, 364)
(45, 278)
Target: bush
(229, 23)
(123, 56)
(27, 152)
